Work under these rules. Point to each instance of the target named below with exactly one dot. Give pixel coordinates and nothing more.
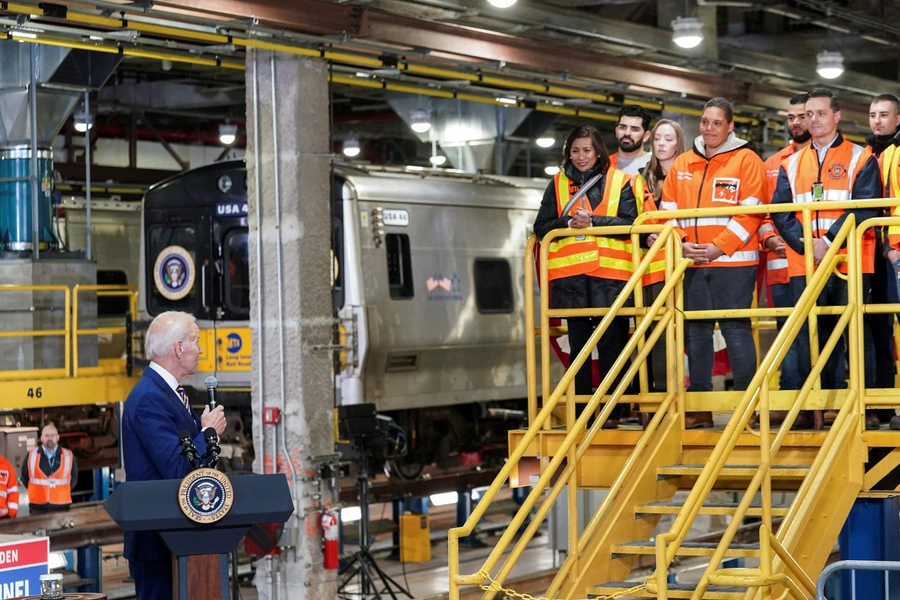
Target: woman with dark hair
(588, 271)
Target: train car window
(237, 272)
(493, 286)
(160, 238)
(112, 306)
(399, 266)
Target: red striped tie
(184, 397)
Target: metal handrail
(706, 479)
(129, 291)
(853, 566)
(543, 416)
(64, 332)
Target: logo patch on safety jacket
(725, 189)
(837, 171)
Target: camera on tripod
(367, 430)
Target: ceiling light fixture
(502, 3)
(351, 147)
(551, 170)
(227, 133)
(687, 32)
(545, 142)
(420, 121)
(505, 100)
(437, 160)
(83, 120)
(830, 65)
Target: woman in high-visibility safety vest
(666, 143)
(588, 271)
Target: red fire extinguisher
(331, 531)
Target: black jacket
(867, 185)
(581, 291)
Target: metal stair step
(687, 549)
(676, 590)
(709, 508)
(779, 471)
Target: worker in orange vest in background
(50, 472)
(9, 490)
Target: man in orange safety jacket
(50, 472)
(720, 172)
(777, 279)
(9, 490)
(831, 169)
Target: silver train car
(429, 287)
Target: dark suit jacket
(151, 420)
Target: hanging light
(551, 170)
(420, 121)
(83, 120)
(687, 32)
(351, 147)
(502, 3)
(227, 133)
(545, 142)
(830, 65)
(437, 160)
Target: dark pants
(610, 345)
(657, 358)
(884, 291)
(781, 298)
(38, 509)
(834, 376)
(719, 288)
(152, 579)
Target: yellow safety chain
(493, 585)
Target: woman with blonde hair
(666, 143)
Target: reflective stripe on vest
(52, 489)
(615, 254)
(847, 157)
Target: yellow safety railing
(577, 427)
(108, 291)
(70, 331)
(64, 333)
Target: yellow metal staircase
(643, 469)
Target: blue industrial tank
(16, 229)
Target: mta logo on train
(234, 343)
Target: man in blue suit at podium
(155, 411)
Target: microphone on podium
(188, 451)
(211, 383)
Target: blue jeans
(718, 288)
(781, 298)
(834, 376)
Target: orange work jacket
(731, 178)
(9, 490)
(53, 488)
(837, 174)
(776, 267)
(596, 256)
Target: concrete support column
(289, 183)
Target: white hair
(165, 331)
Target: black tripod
(362, 564)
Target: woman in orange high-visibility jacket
(720, 172)
(666, 144)
(588, 271)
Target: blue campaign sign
(24, 581)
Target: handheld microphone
(212, 447)
(211, 383)
(187, 448)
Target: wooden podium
(200, 550)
